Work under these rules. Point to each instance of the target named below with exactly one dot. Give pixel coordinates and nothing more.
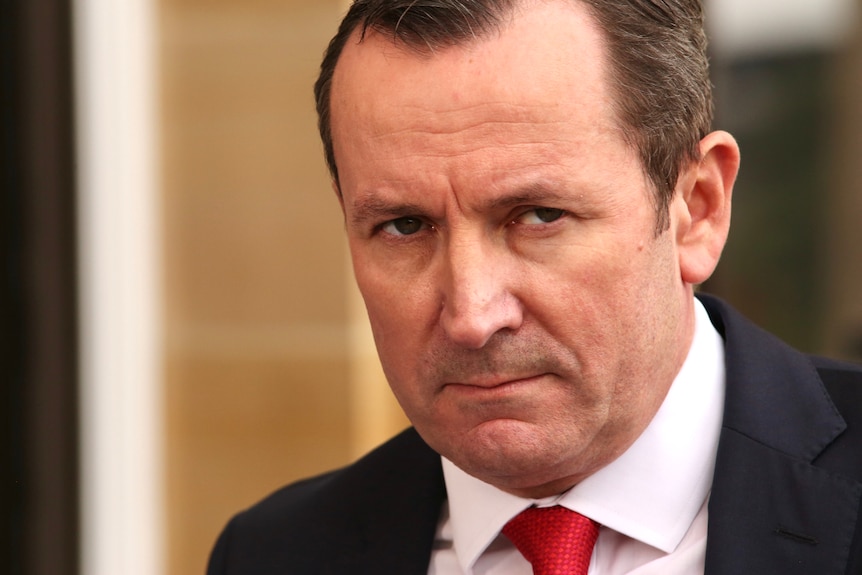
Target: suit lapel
(771, 510)
(390, 522)
(769, 513)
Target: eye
(405, 226)
(536, 216)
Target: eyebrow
(532, 194)
(375, 209)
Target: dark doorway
(38, 366)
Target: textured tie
(555, 540)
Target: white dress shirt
(650, 502)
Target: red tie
(555, 540)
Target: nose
(478, 300)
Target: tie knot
(555, 540)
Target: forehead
(542, 51)
(527, 103)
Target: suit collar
(771, 385)
(771, 510)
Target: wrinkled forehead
(545, 51)
(533, 94)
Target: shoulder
(843, 384)
(838, 373)
(300, 524)
(404, 458)
(800, 404)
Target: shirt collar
(652, 492)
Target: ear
(702, 206)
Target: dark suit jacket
(785, 497)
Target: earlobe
(704, 195)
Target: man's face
(527, 316)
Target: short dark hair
(656, 57)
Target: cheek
(589, 288)
(401, 313)
(393, 304)
(601, 306)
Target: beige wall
(269, 372)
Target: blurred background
(180, 330)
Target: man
(530, 191)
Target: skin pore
(503, 235)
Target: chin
(514, 455)
(531, 478)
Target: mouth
(482, 384)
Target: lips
(506, 361)
(496, 382)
